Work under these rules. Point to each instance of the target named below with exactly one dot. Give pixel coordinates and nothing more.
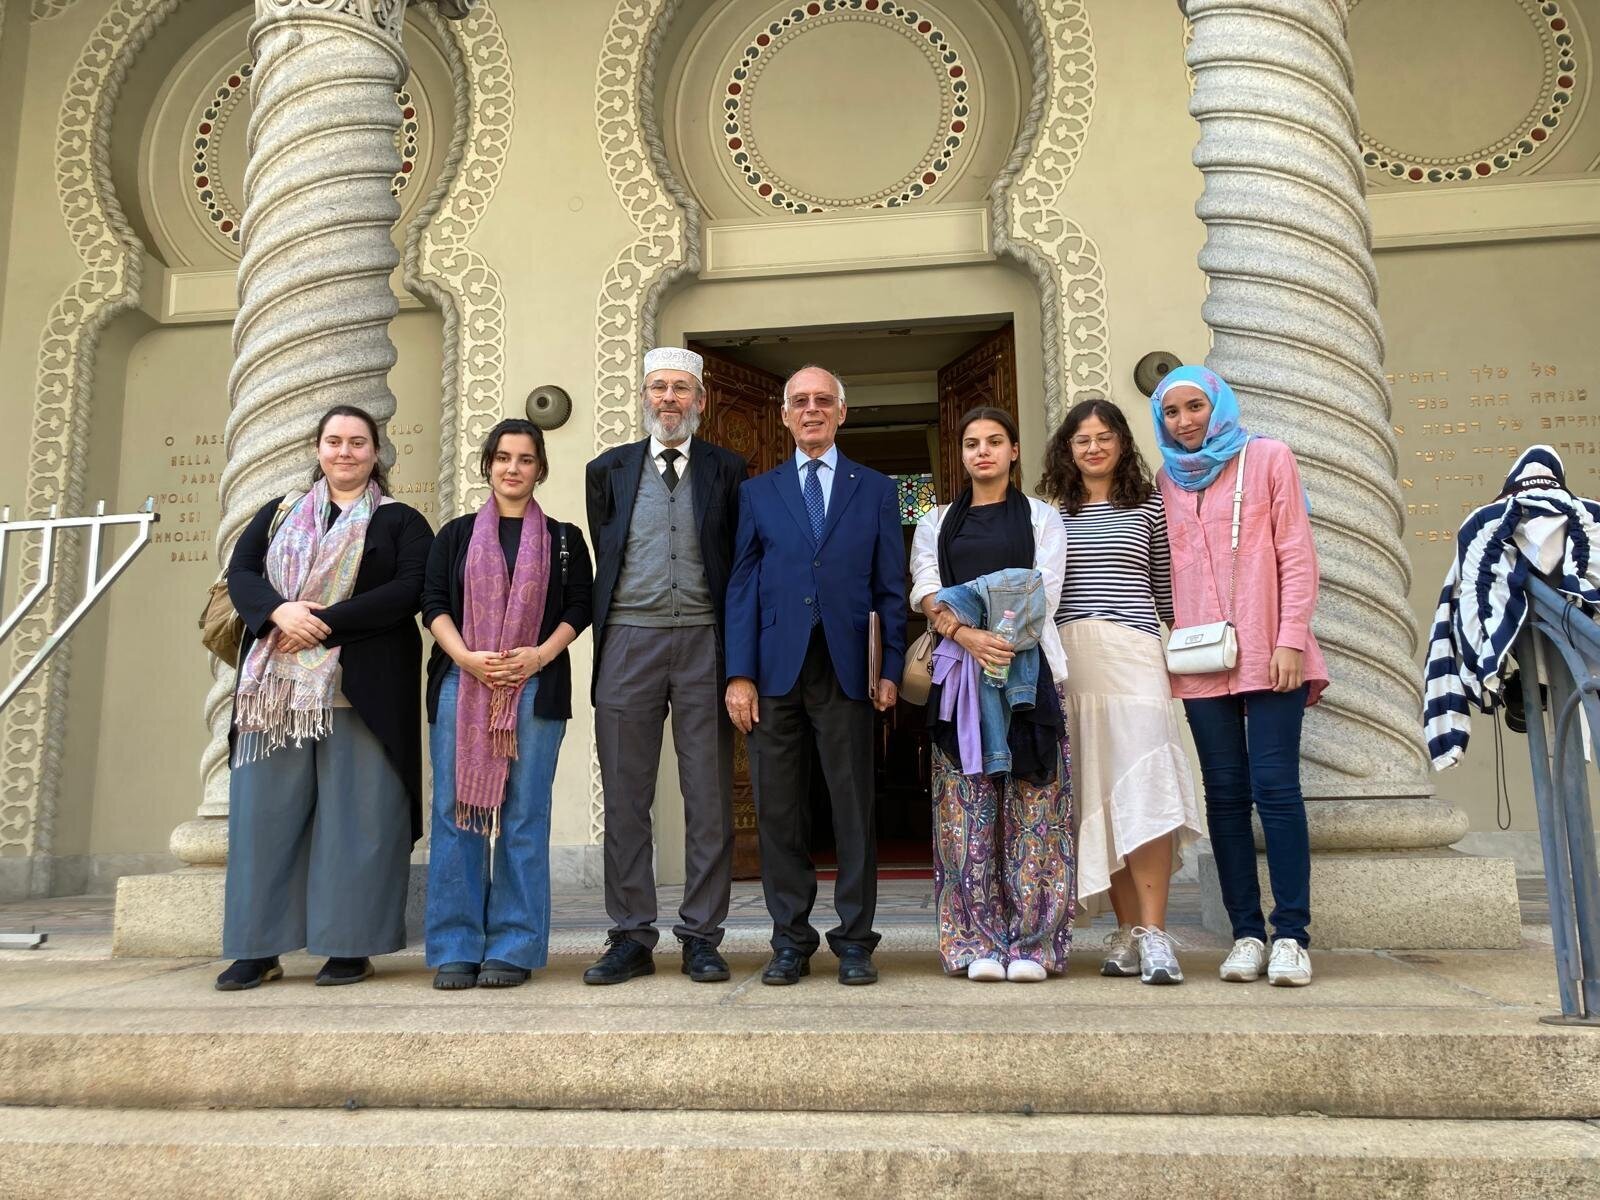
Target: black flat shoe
(249, 973)
(855, 966)
(702, 963)
(498, 974)
(337, 971)
(623, 960)
(785, 967)
(456, 976)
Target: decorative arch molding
(44, 10)
(1027, 225)
(440, 267)
(33, 732)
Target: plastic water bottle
(1005, 627)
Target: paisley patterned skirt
(1003, 868)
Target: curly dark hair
(1062, 482)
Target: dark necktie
(670, 474)
(817, 513)
(813, 497)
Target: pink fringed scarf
(501, 611)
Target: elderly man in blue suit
(818, 549)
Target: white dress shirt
(656, 447)
(829, 461)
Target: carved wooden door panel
(986, 374)
(742, 414)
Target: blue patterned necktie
(813, 496)
(812, 491)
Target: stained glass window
(916, 496)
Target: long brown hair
(350, 410)
(1062, 482)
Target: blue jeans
(1249, 749)
(471, 917)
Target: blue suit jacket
(780, 571)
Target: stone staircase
(1426, 1074)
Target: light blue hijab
(1193, 470)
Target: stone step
(300, 1154)
(1454, 1036)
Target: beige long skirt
(1130, 775)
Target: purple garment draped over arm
(956, 673)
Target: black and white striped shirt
(1119, 567)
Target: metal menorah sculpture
(96, 583)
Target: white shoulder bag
(1205, 649)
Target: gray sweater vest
(663, 580)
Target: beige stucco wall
(552, 231)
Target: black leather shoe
(338, 971)
(702, 963)
(499, 974)
(456, 976)
(786, 967)
(623, 960)
(249, 973)
(855, 966)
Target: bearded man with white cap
(662, 515)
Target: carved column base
(176, 915)
(1382, 878)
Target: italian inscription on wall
(187, 495)
(1460, 426)
(413, 479)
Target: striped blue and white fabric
(1535, 525)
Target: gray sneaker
(1157, 961)
(1121, 954)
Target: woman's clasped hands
(503, 668)
(990, 650)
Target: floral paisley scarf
(502, 610)
(288, 696)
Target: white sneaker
(986, 970)
(1025, 970)
(1245, 961)
(1121, 956)
(1290, 965)
(1157, 961)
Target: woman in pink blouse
(1246, 721)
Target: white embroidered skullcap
(673, 358)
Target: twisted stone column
(314, 295)
(315, 303)
(1295, 328)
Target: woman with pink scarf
(507, 591)
(325, 793)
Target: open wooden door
(986, 374)
(741, 414)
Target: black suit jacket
(611, 482)
(381, 655)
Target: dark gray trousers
(644, 673)
(815, 711)
(319, 849)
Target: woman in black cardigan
(507, 591)
(325, 792)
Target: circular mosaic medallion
(205, 171)
(1536, 131)
(954, 117)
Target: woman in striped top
(1136, 804)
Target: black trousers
(815, 712)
